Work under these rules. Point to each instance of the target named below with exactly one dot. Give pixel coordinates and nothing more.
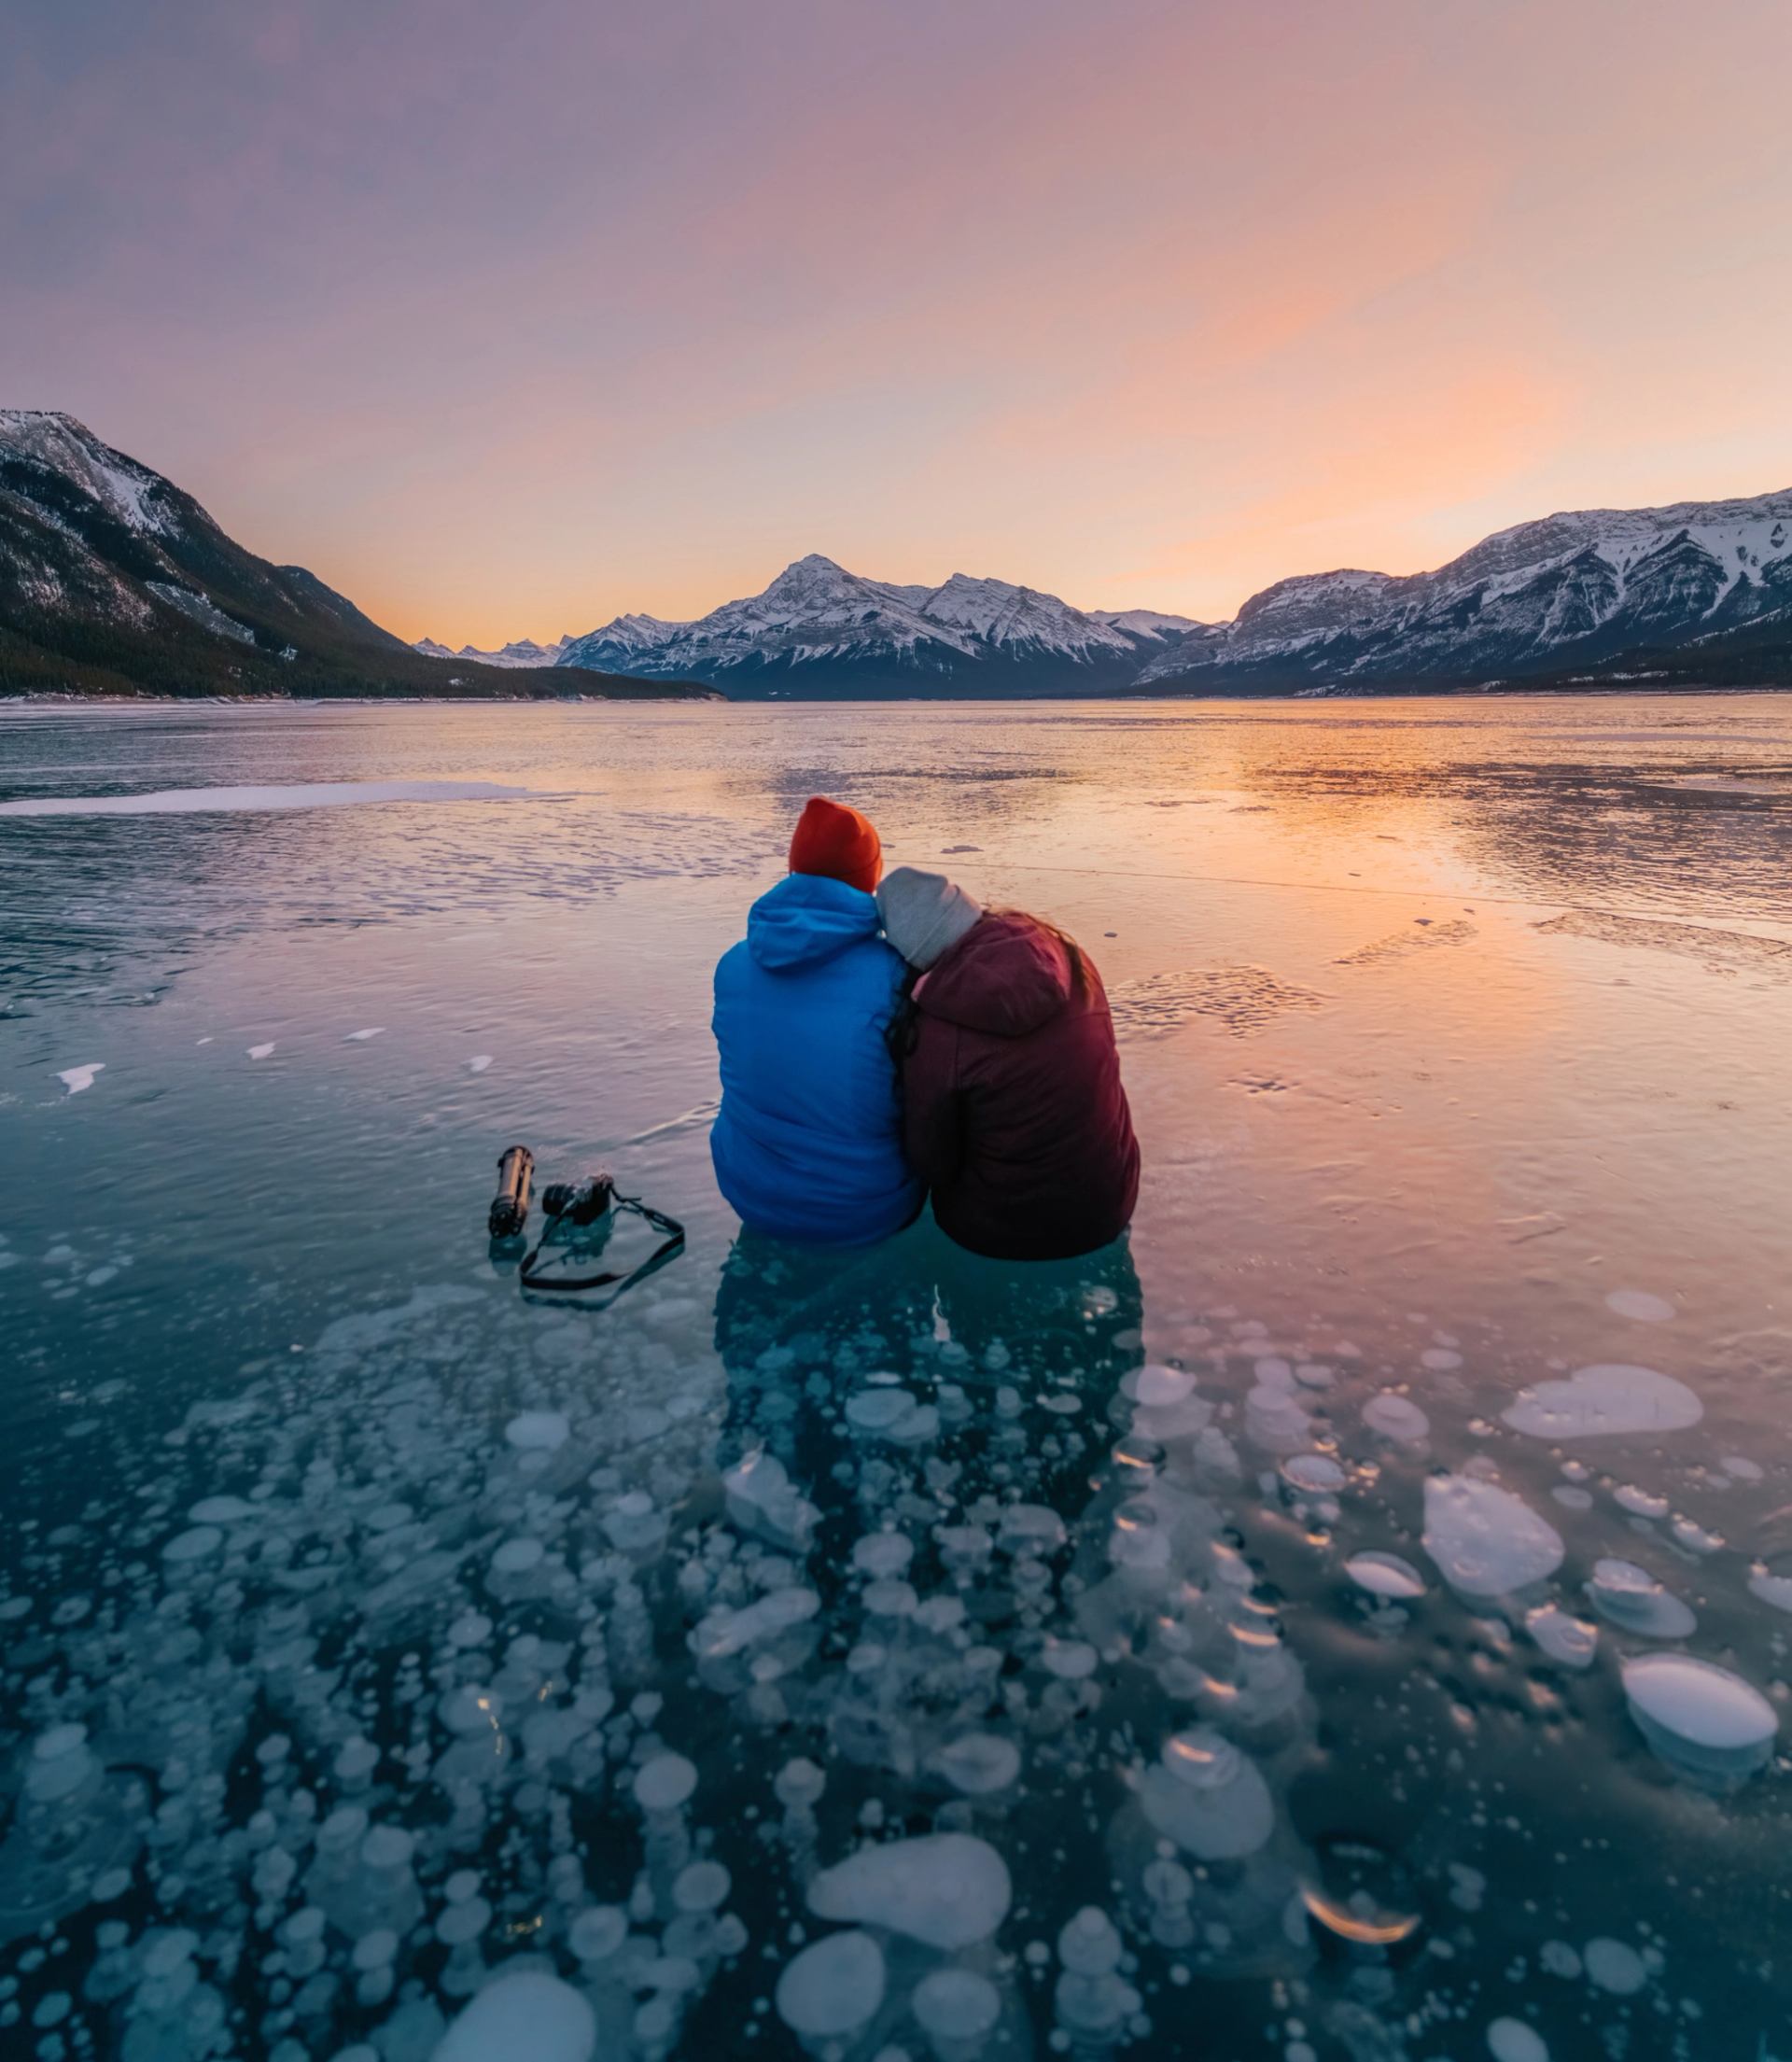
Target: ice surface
(1486, 1541)
(320, 795)
(77, 1078)
(831, 1987)
(477, 1567)
(360, 1037)
(946, 1890)
(1609, 1398)
(527, 2017)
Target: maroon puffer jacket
(1014, 1112)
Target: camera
(580, 1203)
(571, 1207)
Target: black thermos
(511, 1205)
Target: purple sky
(505, 318)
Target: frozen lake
(1352, 1623)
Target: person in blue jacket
(807, 1144)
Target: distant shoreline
(53, 703)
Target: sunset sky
(505, 318)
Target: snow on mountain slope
(523, 652)
(139, 498)
(114, 580)
(818, 627)
(1017, 618)
(1571, 590)
(1146, 622)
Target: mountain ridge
(817, 628)
(1689, 592)
(113, 580)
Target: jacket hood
(807, 919)
(1007, 975)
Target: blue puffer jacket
(808, 1142)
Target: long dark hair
(904, 1030)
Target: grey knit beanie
(924, 914)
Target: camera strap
(533, 1275)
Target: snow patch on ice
(1639, 1304)
(316, 795)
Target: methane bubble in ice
(538, 1431)
(478, 1063)
(1360, 1892)
(223, 1511)
(978, 1763)
(259, 1052)
(1630, 1596)
(663, 1784)
(1771, 1589)
(947, 1890)
(1615, 1966)
(832, 1987)
(530, 2015)
(956, 2008)
(1598, 1402)
(1207, 1797)
(1639, 1304)
(1512, 2040)
(1385, 1575)
(1396, 1418)
(1486, 1541)
(1569, 1641)
(1318, 1474)
(1157, 1387)
(1702, 1720)
(77, 1078)
(194, 1545)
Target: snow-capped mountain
(112, 580)
(820, 630)
(520, 651)
(1701, 589)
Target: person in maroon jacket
(1014, 1114)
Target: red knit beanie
(838, 843)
